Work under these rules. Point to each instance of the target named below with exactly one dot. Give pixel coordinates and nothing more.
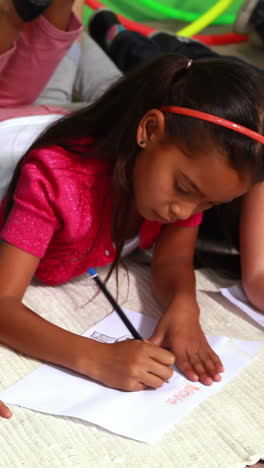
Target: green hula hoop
(207, 18)
(129, 9)
(185, 16)
(153, 9)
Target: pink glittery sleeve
(32, 220)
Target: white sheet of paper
(144, 415)
(236, 295)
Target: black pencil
(92, 272)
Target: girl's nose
(183, 211)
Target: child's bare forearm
(172, 267)
(26, 332)
(174, 281)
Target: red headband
(214, 119)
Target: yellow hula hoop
(205, 19)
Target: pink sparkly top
(62, 214)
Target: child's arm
(129, 365)
(173, 282)
(20, 327)
(252, 245)
(10, 25)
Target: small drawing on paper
(108, 339)
(123, 338)
(102, 337)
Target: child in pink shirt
(163, 144)
(23, 74)
(42, 51)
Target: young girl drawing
(130, 165)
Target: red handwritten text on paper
(182, 394)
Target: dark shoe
(28, 10)
(100, 22)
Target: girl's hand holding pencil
(130, 365)
(134, 364)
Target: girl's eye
(181, 189)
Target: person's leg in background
(85, 70)
(129, 49)
(27, 66)
(96, 71)
(59, 89)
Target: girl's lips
(160, 219)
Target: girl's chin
(160, 219)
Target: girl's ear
(151, 127)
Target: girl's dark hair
(218, 246)
(218, 86)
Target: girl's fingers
(199, 368)
(161, 355)
(211, 368)
(217, 361)
(207, 365)
(161, 371)
(212, 363)
(151, 380)
(135, 387)
(5, 412)
(203, 365)
(183, 363)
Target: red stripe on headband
(214, 119)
